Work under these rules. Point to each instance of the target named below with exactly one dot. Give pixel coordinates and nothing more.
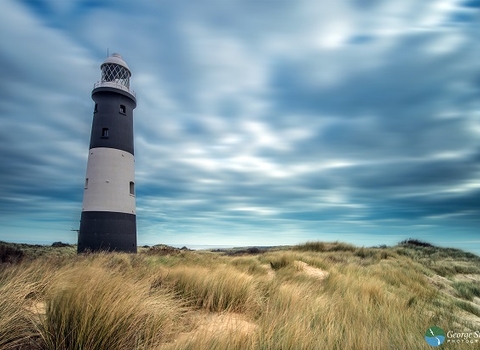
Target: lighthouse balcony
(115, 85)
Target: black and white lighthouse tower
(108, 219)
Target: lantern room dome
(115, 58)
(115, 75)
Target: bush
(10, 254)
(416, 243)
(162, 250)
(60, 245)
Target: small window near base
(132, 188)
(123, 110)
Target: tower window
(96, 108)
(86, 182)
(123, 110)
(132, 188)
(104, 133)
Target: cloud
(256, 122)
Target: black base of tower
(107, 231)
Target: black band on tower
(112, 125)
(111, 231)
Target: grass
(280, 261)
(467, 290)
(469, 307)
(16, 326)
(106, 312)
(318, 295)
(215, 290)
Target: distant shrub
(416, 242)
(253, 250)
(162, 250)
(60, 245)
(10, 254)
(247, 251)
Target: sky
(259, 122)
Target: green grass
(467, 290)
(469, 307)
(318, 295)
(446, 262)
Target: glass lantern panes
(112, 72)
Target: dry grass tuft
(224, 289)
(314, 296)
(16, 326)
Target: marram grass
(16, 326)
(314, 296)
(95, 309)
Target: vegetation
(415, 242)
(9, 254)
(467, 290)
(317, 295)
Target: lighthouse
(108, 220)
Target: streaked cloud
(258, 122)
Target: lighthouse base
(107, 231)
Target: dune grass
(95, 309)
(216, 290)
(16, 326)
(314, 296)
(467, 290)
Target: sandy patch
(270, 271)
(208, 325)
(469, 318)
(310, 270)
(226, 322)
(443, 284)
(37, 308)
(466, 278)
